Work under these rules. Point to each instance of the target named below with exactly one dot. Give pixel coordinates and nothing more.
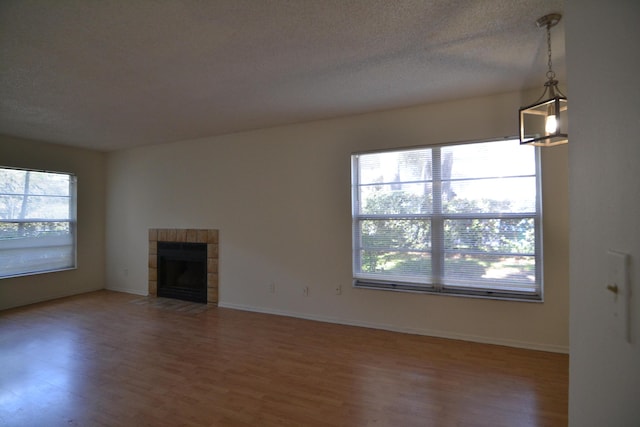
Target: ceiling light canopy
(545, 123)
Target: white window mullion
(437, 222)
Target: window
(455, 219)
(37, 222)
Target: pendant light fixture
(544, 123)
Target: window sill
(431, 290)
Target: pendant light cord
(550, 74)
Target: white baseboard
(393, 328)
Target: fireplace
(182, 271)
(186, 260)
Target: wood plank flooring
(113, 359)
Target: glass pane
(535, 121)
(500, 195)
(506, 236)
(395, 247)
(14, 181)
(486, 160)
(10, 206)
(393, 234)
(12, 230)
(44, 207)
(395, 166)
(34, 195)
(52, 184)
(508, 273)
(34, 207)
(391, 199)
(410, 266)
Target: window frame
(71, 220)
(437, 219)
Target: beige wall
(89, 166)
(603, 62)
(281, 200)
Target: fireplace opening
(182, 271)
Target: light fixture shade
(537, 125)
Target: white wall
(603, 62)
(281, 199)
(89, 166)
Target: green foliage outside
(32, 229)
(488, 249)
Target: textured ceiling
(112, 74)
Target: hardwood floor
(113, 359)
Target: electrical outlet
(305, 291)
(339, 290)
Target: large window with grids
(37, 222)
(461, 219)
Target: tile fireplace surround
(187, 235)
